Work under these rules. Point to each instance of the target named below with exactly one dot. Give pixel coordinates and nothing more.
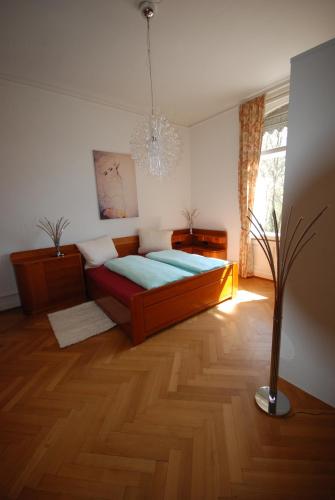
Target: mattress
(111, 283)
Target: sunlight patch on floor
(242, 296)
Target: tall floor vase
(288, 247)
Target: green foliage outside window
(270, 180)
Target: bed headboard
(127, 245)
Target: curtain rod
(276, 97)
(284, 85)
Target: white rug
(79, 323)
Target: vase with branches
(54, 230)
(190, 215)
(289, 245)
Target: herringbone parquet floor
(173, 418)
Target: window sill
(270, 237)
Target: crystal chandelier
(155, 144)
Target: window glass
(274, 139)
(270, 180)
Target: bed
(141, 313)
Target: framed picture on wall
(116, 185)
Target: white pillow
(97, 251)
(152, 240)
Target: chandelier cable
(149, 64)
(155, 144)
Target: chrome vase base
(278, 408)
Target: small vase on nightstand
(54, 230)
(58, 251)
(190, 215)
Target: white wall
(214, 180)
(47, 170)
(308, 344)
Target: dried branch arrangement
(54, 230)
(190, 215)
(288, 248)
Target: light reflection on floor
(242, 296)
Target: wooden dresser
(207, 242)
(46, 281)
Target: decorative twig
(293, 258)
(54, 230)
(288, 248)
(306, 231)
(263, 243)
(190, 215)
(284, 240)
(267, 250)
(285, 257)
(260, 229)
(268, 259)
(275, 223)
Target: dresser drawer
(45, 282)
(64, 279)
(217, 254)
(208, 252)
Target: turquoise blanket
(188, 261)
(145, 272)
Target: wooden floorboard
(173, 418)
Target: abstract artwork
(116, 185)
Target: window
(270, 179)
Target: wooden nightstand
(207, 242)
(45, 281)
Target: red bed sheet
(114, 284)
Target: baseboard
(10, 301)
(262, 278)
(263, 274)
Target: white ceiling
(207, 55)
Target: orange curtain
(251, 127)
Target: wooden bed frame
(153, 310)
